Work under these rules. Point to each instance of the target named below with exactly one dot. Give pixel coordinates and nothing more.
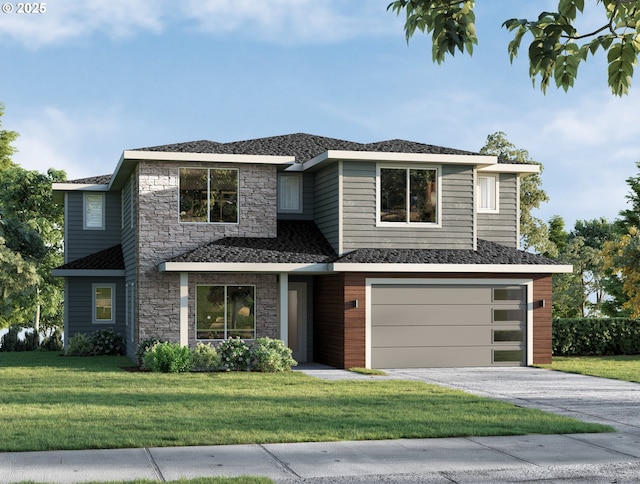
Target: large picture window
(103, 303)
(224, 312)
(408, 195)
(208, 195)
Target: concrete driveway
(586, 398)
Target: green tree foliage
(534, 232)
(6, 138)
(556, 47)
(623, 257)
(32, 227)
(630, 217)
(585, 292)
(30, 242)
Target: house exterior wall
(161, 236)
(80, 242)
(327, 196)
(79, 305)
(340, 327)
(129, 199)
(502, 227)
(359, 209)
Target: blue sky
(88, 79)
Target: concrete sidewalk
(610, 457)
(570, 458)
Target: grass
(367, 371)
(625, 368)
(52, 402)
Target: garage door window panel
(507, 356)
(507, 294)
(507, 335)
(508, 315)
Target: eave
(453, 268)
(273, 267)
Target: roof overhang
(272, 267)
(88, 273)
(454, 268)
(519, 168)
(332, 155)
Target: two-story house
(388, 254)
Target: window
(93, 211)
(507, 294)
(225, 312)
(487, 193)
(208, 195)
(507, 315)
(103, 303)
(408, 195)
(507, 356)
(290, 192)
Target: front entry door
(298, 320)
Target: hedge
(596, 336)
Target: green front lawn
(617, 367)
(48, 402)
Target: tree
(623, 257)
(6, 138)
(534, 232)
(631, 216)
(31, 227)
(556, 49)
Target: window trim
(226, 286)
(94, 288)
(85, 205)
(296, 176)
(406, 223)
(208, 169)
(496, 194)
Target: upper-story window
(488, 193)
(290, 192)
(93, 216)
(408, 195)
(209, 195)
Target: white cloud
(73, 19)
(279, 21)
(53, 138)
(287, 21)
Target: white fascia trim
(64, 187)
(210, 157)
(87, 273)
(482, 160)
(453, 268)
(511, 168)
(241, 267)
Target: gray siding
(79, 305)
(307, 201)
(359, 212)
(80, 242)
(129, 223)
(326, 208)
(501, 227)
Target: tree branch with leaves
(556, 49)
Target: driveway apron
(587, 398)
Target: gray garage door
(415, 326)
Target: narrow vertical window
(94, 211)
(290, 193)
(487, 193)
(103, 303)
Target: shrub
(31, 341)
(10, 341)
(107, 342)
(235, 355)
(205, 358)
(168, 358)
(53, 342)
(143, 346)
(271, 355)
(596, 336)
(79, 345)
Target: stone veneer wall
(266, 303)
(161, 236)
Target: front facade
(390, 254)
